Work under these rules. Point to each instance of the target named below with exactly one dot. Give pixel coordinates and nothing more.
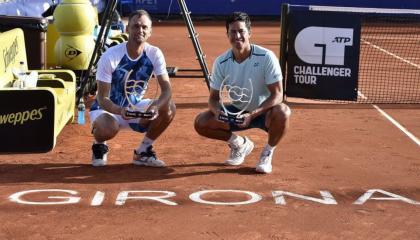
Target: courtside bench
(32, 118)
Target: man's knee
(105, 127)
(281, 112)
(198, 122)
(279, 115)
(168, 112)
(201, 122)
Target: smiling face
(239, 35)
(139, 29)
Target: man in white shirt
(140, 61)
(242, 63)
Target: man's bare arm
(274, 99)
(166, 90)
(103, 98)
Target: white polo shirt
(115, 63)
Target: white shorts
(131, 123)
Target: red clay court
(343, 171)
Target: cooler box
(35, 31)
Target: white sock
(96, 142)
(144, 144)
(236, 140)
(268, 148)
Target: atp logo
(323, 45)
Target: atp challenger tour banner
(323, 55)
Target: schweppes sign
(27, 119)
(19, 118)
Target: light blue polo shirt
(262, 67)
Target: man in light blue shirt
(253, 69)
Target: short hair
(139, 13)
(238, 16)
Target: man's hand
(247, 117)
(221, 115)
(154, 109)
(124, 115)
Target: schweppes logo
(72, 52)
(22, 117)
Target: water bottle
(81, 112)
(21, 75)
(22, 68)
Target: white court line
(361, 95)
(393, 121)
(391, 54)
(399, 126)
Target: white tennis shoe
(238, 153)
(147, 159)
(264, 165)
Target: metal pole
(283, 42)
(193, 35)
(100, 40)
